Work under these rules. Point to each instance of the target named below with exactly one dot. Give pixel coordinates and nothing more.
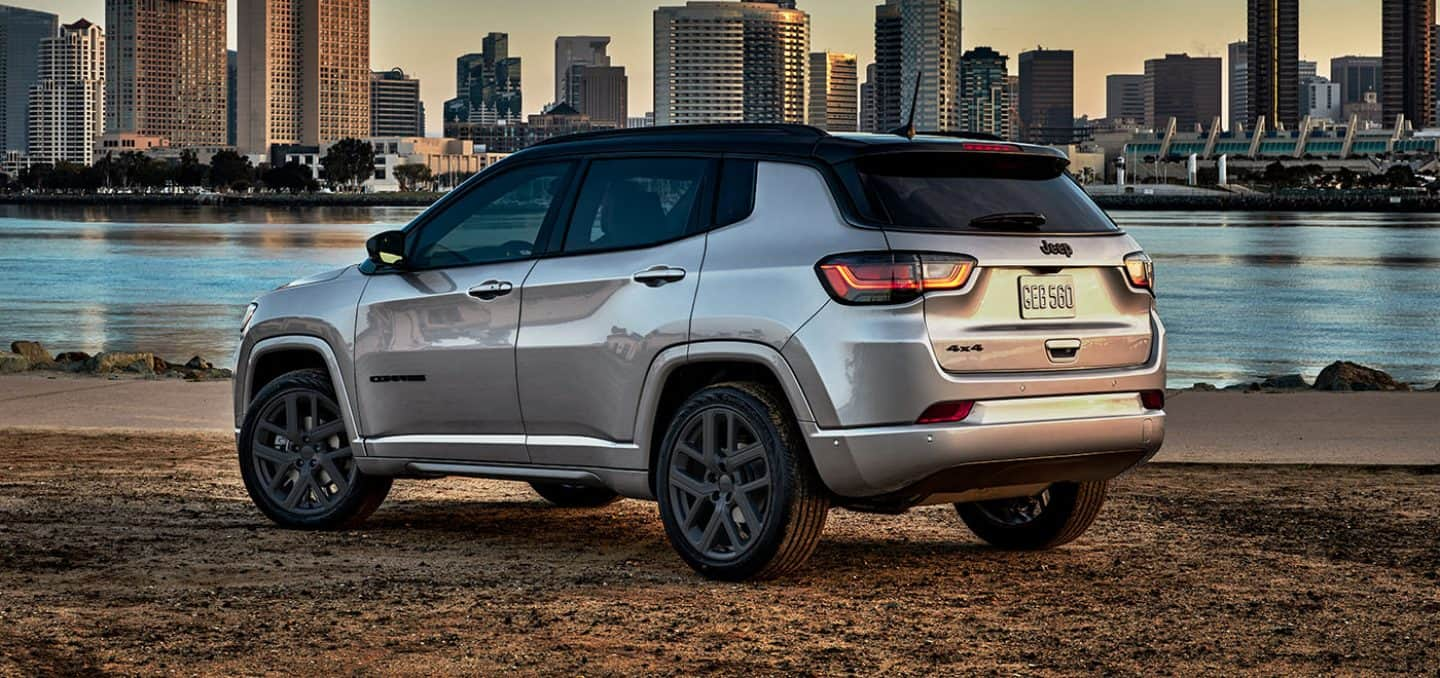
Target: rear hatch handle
(1063, 351)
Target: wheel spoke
(732, 531)
(297, 491)
(689, 485)
(687, 450)
(747, 511)
(278, 480)
(753, 485)
(323, 432)
(292, 418)
(342, 485)
(712, 530)
(273, 429)
(339, 453)
(732, 434)
(746, 455)
(709, 440)
(273, 455)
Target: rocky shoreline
(1340, 376)
(31, 356)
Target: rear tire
(1053, 518)
(738, 494)
(296, 460)
(575, 496)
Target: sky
(1108, 36)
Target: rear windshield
(975, 192)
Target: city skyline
(425, 43)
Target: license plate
(1047, 296)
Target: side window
(636, 202)
(737, 192)
(499, 220)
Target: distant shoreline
(1217, 202)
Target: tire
(1065, 512)
(575, 496)
(313, 483)
(756, 471)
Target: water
(1243, 294)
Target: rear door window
(628, 203)
(977, 192)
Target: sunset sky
(1109, 36)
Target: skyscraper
(603, 94)
(232, 96)
(487, 85)
(1239, 68)
(1125, 97)
(395, 106)
(731, 62)
(1185, 88)
(1047, 96)
(1357, 75)
(67, 101)
(1409, 81)
(165, 70)
(304, 72)
(918, 41)
(867, 100)
(572, 53)
(834, 91)
(1273, 58)
(21, 31)
(984, 94)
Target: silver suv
(749, 324)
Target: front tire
(575, 496)
(1053, 518)
(296, 460)
(738, 495)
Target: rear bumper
(870, 462)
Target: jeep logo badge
(1056, 249)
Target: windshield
(978, 192)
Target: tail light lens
(892, 277)
(1141, 271)
(947, 413)
(1153, 400)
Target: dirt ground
(140, 554)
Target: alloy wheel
(301, 453)
(1017, 511)
(720, 483)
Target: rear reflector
(892, 278)
(1153, 400)
(947, 413)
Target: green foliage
(230, 170)
(349, 162)
(292, 177)
(414, 175)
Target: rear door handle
(659, 276)
(491, 290)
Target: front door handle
(491, 290)
(659, 276)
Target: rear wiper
(1009, 219)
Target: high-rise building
(165, 70)
(602, 94)
(918, 42)
(1407, 28)
(833, 91)
(1435, 70)
(1125, 97)
(1357, 75)
(232, 96)
(867, 100)
(21, 31)
(1309, 75)
(395, 106)
(304, 72)
(67, 101)
(1239, 72)
(573, 53)
(731, 62)
(1185, 88)
(1273, 58)
(487, 85)
(984, 93)
(1323, 100)
(1047, 96)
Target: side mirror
(387, 249)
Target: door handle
(491, 290)
(659, 276)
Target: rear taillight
(1153, 400)
(947, 413)
(892, 278)
(1141, 271)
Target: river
(1243, 294)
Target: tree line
(346, 166)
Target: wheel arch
(680, 371)
(276, 356)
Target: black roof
(799, 141)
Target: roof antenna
(908, 131)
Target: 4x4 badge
(977, 348)
(1056, 248)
